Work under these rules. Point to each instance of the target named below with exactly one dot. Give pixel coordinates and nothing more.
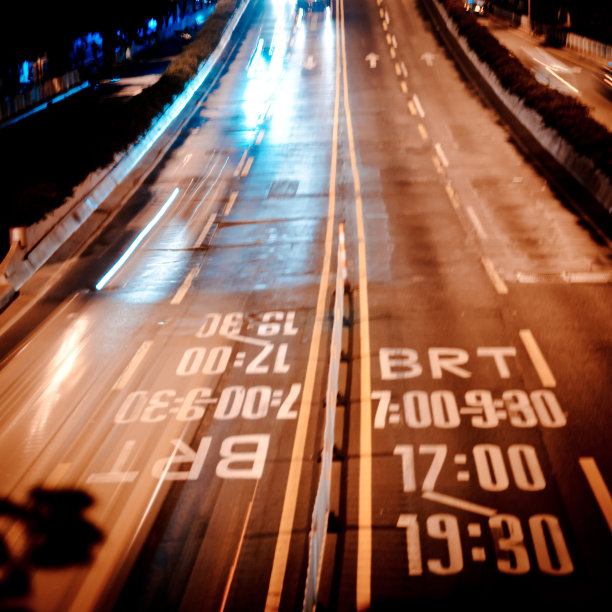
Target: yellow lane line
(364, 526)
(285, 530)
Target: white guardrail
(320, 512)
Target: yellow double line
(364, 533)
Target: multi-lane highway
(173, 364)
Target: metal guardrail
(320, 513)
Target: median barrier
(320, 512)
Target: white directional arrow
(310, 63)
(373, 59)
(428, 58)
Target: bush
(565, 114)
(55, 150)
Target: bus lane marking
(598, 486)
(537, 358)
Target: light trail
(143, 234)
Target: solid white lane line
(136, 360)
(184, 288)
(230, 202)
(496, 279)
(476, 222)
(287, 520)
(598, 486)
(537, 358)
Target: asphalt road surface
(173, 365)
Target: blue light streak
(143, 234)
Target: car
(478, 7)
(606, 77)
(313, 5)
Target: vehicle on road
(478, 7)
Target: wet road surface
(185, 393)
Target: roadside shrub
(54, 151)
(565, 114)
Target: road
(173, 365)
(565, 70)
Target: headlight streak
(143, 234)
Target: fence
(320, 513)
(11, 105)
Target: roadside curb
(44, 238)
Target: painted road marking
(247, 167)
(418, 106)
(480, 230)
(461, 504)
(205, 230)
(364, 524)
(240, 164)
(238, 549)
(598, 486)
(404, 86)
(422, 131)
(412, 108)
(133, 365)
(441, 154)
(537, 358)
(230, 202)
(260, 136)
(452, 196)
(184, 288)
(496, 279)
(438, 164)
(287, 520)
(404, 70)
